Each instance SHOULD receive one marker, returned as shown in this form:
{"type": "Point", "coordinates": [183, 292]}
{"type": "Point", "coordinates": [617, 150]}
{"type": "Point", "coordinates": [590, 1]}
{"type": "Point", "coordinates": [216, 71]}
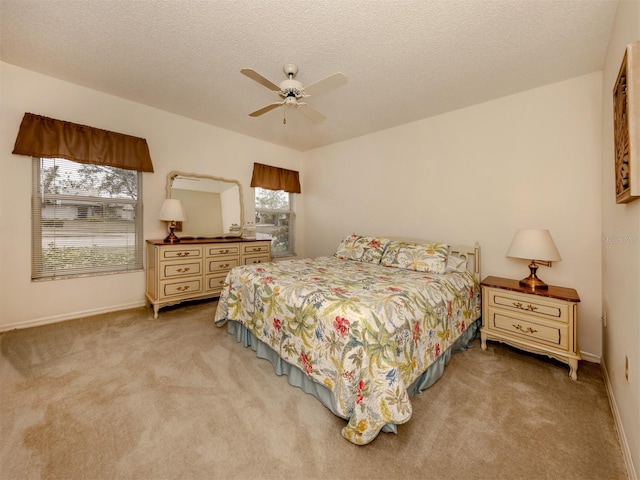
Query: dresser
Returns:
{"type": "Point", "coordinates": [541, 321]}
{"type": "Point", "coordinates": [195, 269]}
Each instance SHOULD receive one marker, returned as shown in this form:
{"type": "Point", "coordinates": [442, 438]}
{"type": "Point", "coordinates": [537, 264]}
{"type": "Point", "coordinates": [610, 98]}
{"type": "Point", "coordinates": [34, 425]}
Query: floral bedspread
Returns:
{"type": "Point", "coordinates": [364, 331]}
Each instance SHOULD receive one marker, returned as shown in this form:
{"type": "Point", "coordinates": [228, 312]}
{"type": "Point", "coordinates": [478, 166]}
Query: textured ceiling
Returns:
{"type": "Point", "coordinates": [404, 59]}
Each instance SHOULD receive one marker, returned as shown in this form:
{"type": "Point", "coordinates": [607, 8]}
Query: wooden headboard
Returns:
{"type": "Point", "coordinates": [471, 253]}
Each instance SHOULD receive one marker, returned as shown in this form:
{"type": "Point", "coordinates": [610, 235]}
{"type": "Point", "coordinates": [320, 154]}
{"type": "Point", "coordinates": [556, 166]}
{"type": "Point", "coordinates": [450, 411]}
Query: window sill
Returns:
{"type": "Point", "coordinates": [53, 278]}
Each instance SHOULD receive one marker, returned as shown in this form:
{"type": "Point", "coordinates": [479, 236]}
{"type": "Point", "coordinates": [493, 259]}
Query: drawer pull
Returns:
{"type": "Point", "coordinates": [257, 249]}
{"type": "Point", "coordinates": [224, 265]}
{"type": "Point", "coordinates": [183, 288]}
{"type": "Point", "coordinates": [257, 261]}
{"type": "Point", "coordinates": [223, 251]}
{"type": "Point", "coordinates": [529, 307]}
{"type": "Point", "coordinates": [182, 254]}
{"type": "Point", "coordinates": [527, 330]}
{"type": "Point", "coordinates": [183, 270]}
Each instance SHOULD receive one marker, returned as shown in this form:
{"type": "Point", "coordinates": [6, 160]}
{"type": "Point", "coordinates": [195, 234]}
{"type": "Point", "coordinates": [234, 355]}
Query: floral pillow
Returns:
{"type": "Point", "coordinates": [362, 249]}
{"type": "Point", "coordinates": [429, 257]}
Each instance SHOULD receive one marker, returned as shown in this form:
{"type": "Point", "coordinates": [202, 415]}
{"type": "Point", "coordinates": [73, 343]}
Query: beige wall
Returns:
{"type": "Point", "coordinates": [621, 257]}
{"type": "Point", "coordinates": [175, 143]}
{"type": "Point", "coordinates": [530, 160]}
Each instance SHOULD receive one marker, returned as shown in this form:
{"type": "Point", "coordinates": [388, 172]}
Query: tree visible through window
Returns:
{"type": "Point", "coordinates": [274, 220]}
{"type": "Point", "coordinates": [87, 219]}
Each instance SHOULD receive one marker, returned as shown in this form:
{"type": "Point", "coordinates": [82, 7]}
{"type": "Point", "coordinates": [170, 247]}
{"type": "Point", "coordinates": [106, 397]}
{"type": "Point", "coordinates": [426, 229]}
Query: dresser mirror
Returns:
{"type": "Point", "coordinates": [213, 206]}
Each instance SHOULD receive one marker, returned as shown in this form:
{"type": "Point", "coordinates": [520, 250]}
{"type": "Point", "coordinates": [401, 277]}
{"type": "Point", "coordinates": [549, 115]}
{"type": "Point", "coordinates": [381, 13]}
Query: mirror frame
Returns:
{"type": "Point", "coordinates": [176, 173]}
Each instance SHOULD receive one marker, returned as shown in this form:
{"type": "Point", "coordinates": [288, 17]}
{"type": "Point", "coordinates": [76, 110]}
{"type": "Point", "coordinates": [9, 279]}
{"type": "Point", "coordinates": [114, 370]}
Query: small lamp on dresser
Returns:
{"type": "Point", "coordinates": [172, 212]}
{"type": "Point", "coordinates": [538, 247]}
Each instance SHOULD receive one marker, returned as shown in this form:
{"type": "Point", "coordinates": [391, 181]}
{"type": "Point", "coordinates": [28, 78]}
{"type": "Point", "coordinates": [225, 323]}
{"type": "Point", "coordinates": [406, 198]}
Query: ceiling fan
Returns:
{"type": "Point", "coordinates": [292, 92]}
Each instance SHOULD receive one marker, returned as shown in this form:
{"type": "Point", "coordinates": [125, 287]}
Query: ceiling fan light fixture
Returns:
{"type": "Point", "coordinates": [291, 88]}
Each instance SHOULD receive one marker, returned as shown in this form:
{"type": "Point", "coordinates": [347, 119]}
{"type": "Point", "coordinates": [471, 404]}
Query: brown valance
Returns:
{"type": "Point", "coordinates": [44, 137]}
{"type": "Point", "coordinates": [275, 178]}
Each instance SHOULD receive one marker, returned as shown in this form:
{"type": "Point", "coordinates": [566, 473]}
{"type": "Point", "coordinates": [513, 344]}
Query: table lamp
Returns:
{"type": "Point", "coordinates": [537, 246]}
{"type": "Point", "coordinates": [172, 212]}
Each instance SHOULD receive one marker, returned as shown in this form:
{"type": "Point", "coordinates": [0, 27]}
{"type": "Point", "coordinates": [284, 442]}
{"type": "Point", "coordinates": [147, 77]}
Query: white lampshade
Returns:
{"type": "Point", "coordinates": [534, 245]}
{"type": "Point", "coordinates": [172, 211]}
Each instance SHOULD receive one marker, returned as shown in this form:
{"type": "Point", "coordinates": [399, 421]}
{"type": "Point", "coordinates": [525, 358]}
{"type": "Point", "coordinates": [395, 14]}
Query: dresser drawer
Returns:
{"type": "Point", "coordinates": [253, 259]}
{"type": "Point", "coordinates": [223, 250]}
{"type": "Point", "coordinates": [521, 326]}
{"type": "Point", "coordinates": [221, 265]}
{"type": "Point", "coordinates": [216, 282]}
{"type": "Point", "coordinates": [180, 269]}
{"type": "Point", "coordinates": [255, 248]}
{"type": "Point", "coordinates": [544, 308]}
{"type": "Point", "coordinates": [172, 253]}
{"type": "Point", "coordinates": [185, 287]}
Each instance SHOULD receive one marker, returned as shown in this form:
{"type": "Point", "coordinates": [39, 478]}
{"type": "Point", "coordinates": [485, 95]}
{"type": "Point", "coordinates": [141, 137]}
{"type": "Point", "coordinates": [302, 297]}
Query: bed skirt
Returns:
{"type": "Point", "coordinates": [298, 379]}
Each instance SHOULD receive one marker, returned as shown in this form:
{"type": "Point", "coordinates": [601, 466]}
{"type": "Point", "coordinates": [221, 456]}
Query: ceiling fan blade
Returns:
{"type": "Point", "coordinates": [265, 109]}
{"type": "Point", "coordinates": [311, 113]}
{"type": "Point", "coordinates": [253, 75]}
{"type": "Point", "coordinates": [326, 84]}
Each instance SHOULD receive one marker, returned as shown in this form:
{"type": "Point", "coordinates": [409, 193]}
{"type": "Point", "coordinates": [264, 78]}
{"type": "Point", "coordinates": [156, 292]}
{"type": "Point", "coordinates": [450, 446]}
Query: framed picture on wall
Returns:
{"type": "Point", "coordinates": [626, 126]}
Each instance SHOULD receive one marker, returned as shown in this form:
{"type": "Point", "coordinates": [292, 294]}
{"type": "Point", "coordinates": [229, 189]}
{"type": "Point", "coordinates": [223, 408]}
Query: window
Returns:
{"type": "Point", "coordinates": [86, 219]}
{"type": "Point", "coordinates": [275, 219]}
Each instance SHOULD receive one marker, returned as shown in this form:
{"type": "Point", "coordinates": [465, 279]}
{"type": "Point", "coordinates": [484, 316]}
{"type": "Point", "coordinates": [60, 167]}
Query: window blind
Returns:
{"type": "Point", "coordinates": [86, 219]}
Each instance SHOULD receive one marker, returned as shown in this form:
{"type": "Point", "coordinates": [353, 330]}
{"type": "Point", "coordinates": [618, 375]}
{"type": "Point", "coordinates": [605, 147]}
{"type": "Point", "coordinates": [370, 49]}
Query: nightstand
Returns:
{"type": "Point", "coordinates": [540, 321]}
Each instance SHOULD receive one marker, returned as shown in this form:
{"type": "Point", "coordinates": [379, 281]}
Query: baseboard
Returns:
{"type": "Point", "coordinates": [61, 318]}
{"type": "Point", "coordinates": [626, 452]}
{"type": "Point", "coordinates": [590, 357]}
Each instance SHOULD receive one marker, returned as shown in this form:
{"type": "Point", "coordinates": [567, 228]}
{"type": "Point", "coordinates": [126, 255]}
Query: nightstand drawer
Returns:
{"type": "Point", "coordinates": [222, 265]}
{"type": "Point", "coordinates": [182, 269]}
{"type": "Point", "coordinates": [223, 250]}
{"type": "Point", "coordinates": [546, 333]}
{"type": "Point", "coordinates": [531, 304]}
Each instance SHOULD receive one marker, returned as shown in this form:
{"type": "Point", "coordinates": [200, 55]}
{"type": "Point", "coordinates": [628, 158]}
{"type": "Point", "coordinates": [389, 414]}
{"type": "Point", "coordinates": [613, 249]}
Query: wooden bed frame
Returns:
{"type": "Point", "coordinates": [471, 253]}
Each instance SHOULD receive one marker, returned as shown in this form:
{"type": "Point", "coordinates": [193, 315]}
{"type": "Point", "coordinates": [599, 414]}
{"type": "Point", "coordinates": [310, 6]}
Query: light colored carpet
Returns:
{"type": "Point", "coordinates": [123, 395]}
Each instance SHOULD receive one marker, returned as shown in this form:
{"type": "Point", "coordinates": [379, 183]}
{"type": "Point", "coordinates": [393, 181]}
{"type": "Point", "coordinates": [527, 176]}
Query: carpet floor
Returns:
{"type": "Point", "coordinates": [122, 395]}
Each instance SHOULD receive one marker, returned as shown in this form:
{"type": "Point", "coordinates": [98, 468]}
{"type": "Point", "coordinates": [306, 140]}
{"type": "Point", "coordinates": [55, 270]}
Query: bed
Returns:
{"type": "Point", "coordinates": [363, 330]}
